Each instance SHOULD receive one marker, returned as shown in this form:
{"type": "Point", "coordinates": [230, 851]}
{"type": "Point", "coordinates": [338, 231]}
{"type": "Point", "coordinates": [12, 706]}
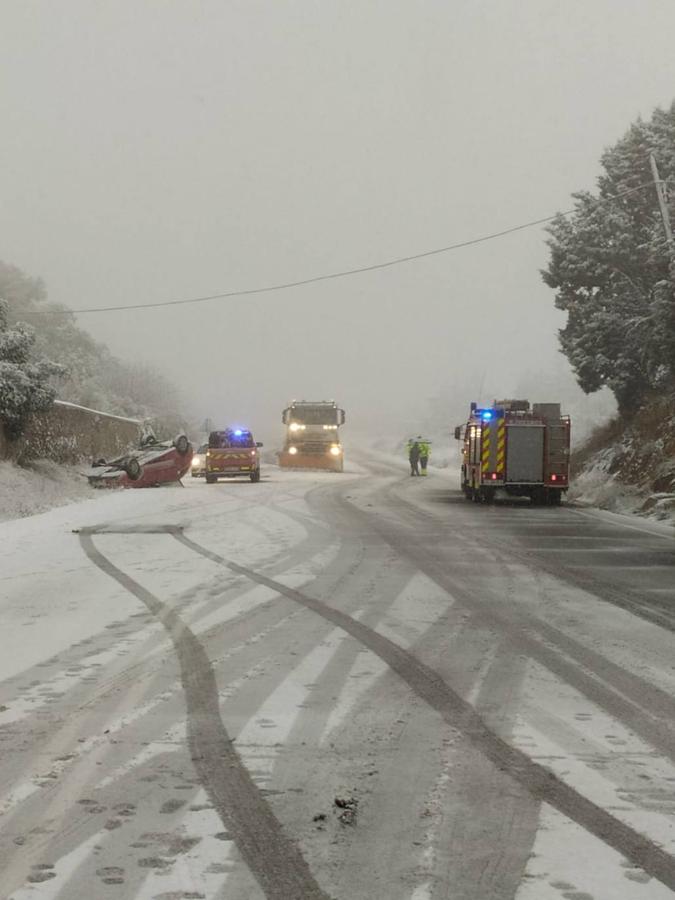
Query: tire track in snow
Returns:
{"type": "Point", "coordinates": [275, 860]}
{"type": "Point", "coordinates": [236, 615]}
{"type": "Point", "coordinates": [642, 706]}
{"type": "Point", "coordinates": [543, 784]}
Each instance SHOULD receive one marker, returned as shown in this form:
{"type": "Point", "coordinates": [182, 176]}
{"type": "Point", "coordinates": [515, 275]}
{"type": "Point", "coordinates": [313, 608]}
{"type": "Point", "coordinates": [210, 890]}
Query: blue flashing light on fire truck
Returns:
{"type": "Point", "coordinates": [519, 449]}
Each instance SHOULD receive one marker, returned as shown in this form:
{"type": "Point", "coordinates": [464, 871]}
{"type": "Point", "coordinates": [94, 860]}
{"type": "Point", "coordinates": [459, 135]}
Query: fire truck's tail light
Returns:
{"type": "Point", "coordinates": [554, 477]}
{"type": "Point", "coordinates": [494, 476]}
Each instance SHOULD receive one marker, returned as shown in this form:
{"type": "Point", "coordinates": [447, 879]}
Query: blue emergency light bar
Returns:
{"type": "Point", "coordinates": [486, 415]}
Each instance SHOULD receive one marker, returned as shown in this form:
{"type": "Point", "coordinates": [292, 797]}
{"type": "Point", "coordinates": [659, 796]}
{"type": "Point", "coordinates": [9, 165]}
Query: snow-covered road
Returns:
{"type": "Point", "coordinates": [190, 678]}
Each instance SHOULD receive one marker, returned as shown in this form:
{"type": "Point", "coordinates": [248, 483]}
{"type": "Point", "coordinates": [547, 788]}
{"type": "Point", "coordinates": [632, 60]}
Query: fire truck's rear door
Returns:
{"type": "Point", "coordinates": [525, 453]}
{"type": "Point", "coordinates": [558, 460]}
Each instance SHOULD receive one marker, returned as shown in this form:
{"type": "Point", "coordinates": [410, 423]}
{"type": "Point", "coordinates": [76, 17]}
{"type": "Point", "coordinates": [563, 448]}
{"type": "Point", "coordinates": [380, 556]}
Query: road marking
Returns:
{"type": "Point", "coordinates": [596, 870]}
{"type": "Point", "coordinates": [264, 734]}
{"type": "Point", "coordinates": [275, 860]}
{"type": "Point", "coordinates": [541, 782]}
{"type": "Point", "coordinates": [51, 888]}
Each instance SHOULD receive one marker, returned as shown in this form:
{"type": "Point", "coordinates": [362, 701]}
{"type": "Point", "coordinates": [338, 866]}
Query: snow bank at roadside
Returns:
{"type": "Point", "coordinates": [596, 486]}
{"type": "Point", "coordinates": [25, 491]}
{"type": "Point", "coordinates": [628, 464]}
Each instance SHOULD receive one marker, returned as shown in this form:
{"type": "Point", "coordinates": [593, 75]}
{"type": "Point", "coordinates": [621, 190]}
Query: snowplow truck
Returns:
{"type": "Point", "coordinates": [312, 439]}
{"type": "Point", "coordinates": [515, 448]}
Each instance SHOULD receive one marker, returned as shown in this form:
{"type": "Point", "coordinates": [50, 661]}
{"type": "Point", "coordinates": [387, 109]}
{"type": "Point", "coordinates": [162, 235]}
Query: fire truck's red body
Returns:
{"type": "Point", "coordinates": [520, 449]}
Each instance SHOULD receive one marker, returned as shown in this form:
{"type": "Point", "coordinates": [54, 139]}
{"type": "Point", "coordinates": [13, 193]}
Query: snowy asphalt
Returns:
{"type": "Point", "coordinates": [326, 686]}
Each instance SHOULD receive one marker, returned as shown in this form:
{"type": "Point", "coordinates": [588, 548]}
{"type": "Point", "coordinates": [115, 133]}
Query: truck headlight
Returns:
{"type": "Point", "coordinates": [292, 450]}
{"type": "Point", "coordinates": [335, 450]}
{"type": "Point", "coordinates": [195, 461]}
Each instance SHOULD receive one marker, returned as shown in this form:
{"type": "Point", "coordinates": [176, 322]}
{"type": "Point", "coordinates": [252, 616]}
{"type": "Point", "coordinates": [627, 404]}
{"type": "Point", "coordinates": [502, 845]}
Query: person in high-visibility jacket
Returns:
{"type": "Point", "coordinates": [425, 452]}
{"type": "Point", "coordinates": [414, 456]}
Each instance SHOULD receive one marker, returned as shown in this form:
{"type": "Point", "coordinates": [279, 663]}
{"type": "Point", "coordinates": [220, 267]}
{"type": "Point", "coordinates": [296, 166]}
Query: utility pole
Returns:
{"type": "Point", "coordinates": [663, 206]}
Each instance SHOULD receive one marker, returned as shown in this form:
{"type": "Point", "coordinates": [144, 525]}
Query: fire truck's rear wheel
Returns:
{"type": "Point", "coordinates": [210, 479]}
{"type": "Point", "coordinates": [255, 476]}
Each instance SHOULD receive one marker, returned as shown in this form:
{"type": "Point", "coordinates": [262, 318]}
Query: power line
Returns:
{"type": "Point", "coordinates": [345, 273]}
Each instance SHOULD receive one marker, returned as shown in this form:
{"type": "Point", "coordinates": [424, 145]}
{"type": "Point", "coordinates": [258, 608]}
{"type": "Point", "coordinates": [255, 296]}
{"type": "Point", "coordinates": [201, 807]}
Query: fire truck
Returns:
{"type": "Point", "coordinates": [312, 440]}
{"type": "Point", "coordinates": [521, 449]}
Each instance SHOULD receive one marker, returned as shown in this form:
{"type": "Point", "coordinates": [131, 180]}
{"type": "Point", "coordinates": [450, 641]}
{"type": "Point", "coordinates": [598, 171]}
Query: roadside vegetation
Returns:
{"type": "Point", "coordinates": [26, 378]}
{"type": "Point", "coordinates": [613, 272]}
{"type": "Point", "coordinates": [44, 354]}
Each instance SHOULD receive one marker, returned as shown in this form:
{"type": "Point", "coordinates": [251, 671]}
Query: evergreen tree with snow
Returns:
{"type": "Point", "coordinates": [611, 269]}
{"type": "Point", "coordinates": [25, 380]}
{"type": "Point", "coordinates": [92, 377]}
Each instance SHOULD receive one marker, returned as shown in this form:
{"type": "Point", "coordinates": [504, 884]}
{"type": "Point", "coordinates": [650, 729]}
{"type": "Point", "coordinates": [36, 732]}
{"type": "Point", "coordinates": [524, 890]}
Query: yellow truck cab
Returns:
{"type": "Point", "coordinates": [312, 438]}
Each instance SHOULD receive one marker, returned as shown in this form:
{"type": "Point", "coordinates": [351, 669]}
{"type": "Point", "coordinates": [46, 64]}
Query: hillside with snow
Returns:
{"type": "Point", "coordinates": [628, 465]}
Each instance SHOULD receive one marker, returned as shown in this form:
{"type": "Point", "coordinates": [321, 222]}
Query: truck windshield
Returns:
{"type": "Point", "coordinates": [221, 440]}
{"type": "Point", "coordinates": [314, 415]}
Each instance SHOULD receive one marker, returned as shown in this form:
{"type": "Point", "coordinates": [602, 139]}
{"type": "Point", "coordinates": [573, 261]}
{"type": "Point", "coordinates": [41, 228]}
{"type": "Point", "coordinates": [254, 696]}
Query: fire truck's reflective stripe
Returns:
{"type": "Point", "coordinates": [501, 445]}
{"type": "Point", "coordinates": [485, 453]}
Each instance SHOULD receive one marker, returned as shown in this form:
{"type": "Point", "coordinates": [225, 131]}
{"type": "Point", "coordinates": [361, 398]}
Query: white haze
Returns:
{"type": "Point", "coordinates": [160, 150]}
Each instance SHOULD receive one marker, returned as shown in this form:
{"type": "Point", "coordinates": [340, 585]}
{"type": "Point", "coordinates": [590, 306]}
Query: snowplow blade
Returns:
{"type": "Point", "coordinates": [326, 462]}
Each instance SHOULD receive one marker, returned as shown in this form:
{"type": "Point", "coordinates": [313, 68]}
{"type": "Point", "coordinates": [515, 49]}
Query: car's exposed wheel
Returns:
{"type": "Point", "coordinates": [182, 444]}
{"type": "Point", "coordinates": [98, 462]}
{"type": "Point", "coordinates": [133, 468]}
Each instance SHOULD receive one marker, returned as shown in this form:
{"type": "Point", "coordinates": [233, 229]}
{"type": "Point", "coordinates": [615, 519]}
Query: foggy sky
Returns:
{"type": "Point", "coordinates": [168, 149]}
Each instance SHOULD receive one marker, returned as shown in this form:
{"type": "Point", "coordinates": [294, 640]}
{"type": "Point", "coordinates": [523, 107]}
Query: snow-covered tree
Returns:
{"type": "Point", "coordinates": [610, 266]}
{"type": "Point", "coordinates": [25, 381]}
{"type": "Point", "coordinates": [92, 376]}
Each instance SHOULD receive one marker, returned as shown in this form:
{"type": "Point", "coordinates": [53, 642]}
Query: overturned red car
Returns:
{"type": "Point", "coordinates": [153, 463]}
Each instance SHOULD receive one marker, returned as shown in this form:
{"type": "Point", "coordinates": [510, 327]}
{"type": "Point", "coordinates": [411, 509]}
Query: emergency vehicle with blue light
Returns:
{"type": "Point", "coordinates": [521, 449]}
{"type": "Point", "coordinates": [232, 453]}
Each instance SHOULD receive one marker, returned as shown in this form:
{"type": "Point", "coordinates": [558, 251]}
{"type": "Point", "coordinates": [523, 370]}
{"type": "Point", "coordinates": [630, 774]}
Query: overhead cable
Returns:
{"type": "Point", "coordinates": [344, 273]}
